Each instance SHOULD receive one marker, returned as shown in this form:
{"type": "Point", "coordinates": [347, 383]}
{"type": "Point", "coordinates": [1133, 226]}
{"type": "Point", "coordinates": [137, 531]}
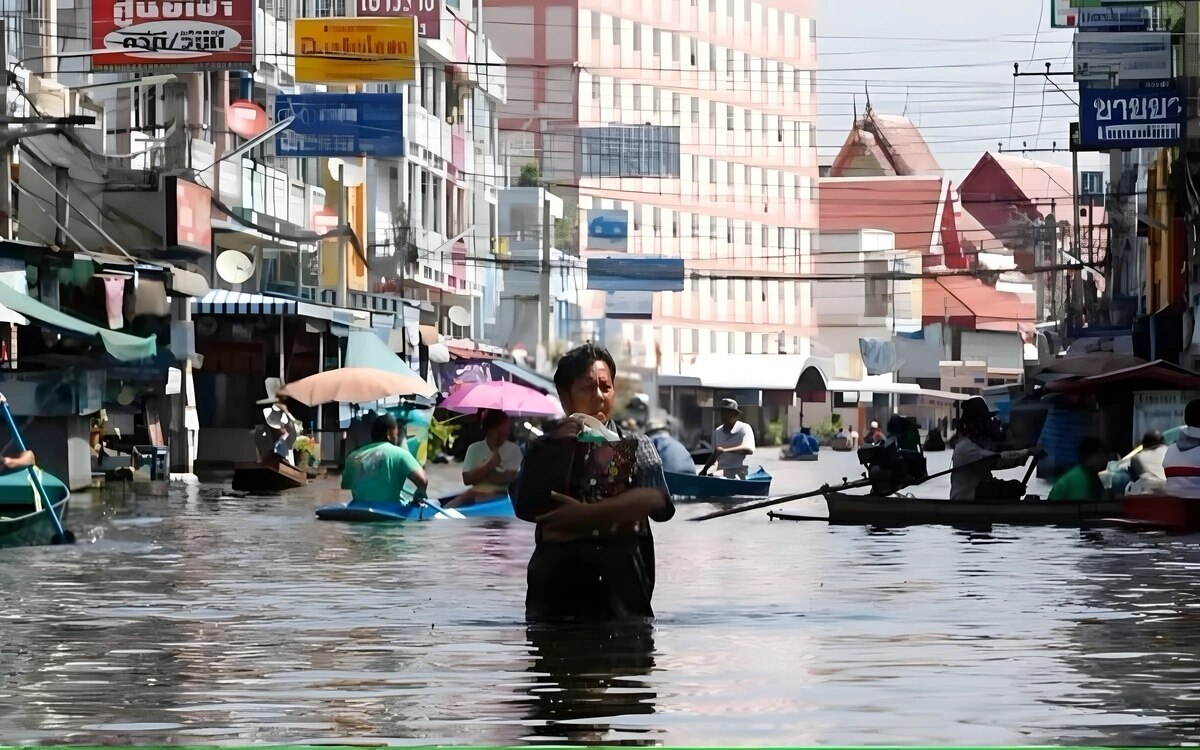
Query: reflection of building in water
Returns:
{"type": "Point", "coordinates": [594, 675]}
{"type": "Point", "coordinates": [1139, 652]}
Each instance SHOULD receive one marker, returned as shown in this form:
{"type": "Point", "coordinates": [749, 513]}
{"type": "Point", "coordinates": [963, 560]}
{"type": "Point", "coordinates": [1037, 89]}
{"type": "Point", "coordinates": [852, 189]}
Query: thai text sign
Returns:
{"type": "Point", "coordinates": [173, 35]}
{"type": "Point", "coordinates": [427, 12]}
{"type": "Point", "coordinates": [341, 125]}
{"type": "Point", "coordinates": [1150, 116]}
{"type": "Point", "coordinates": [356, 50]}
{"type": "Point", "coordinates": [1123, 55]}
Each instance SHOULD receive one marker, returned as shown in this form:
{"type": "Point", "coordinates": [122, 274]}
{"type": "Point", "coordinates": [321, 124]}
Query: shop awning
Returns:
{"type": "Point", "coordinates": [366, 349]}
{"type": "Point", "coordinates": [121, 346]}
{"type": "Point", "coordinates": [224, 302]}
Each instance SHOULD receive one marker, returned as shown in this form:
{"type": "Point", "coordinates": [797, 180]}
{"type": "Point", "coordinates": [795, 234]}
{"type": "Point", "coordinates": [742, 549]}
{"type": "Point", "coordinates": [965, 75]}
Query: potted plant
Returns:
{"type": "Point", "coordinates": [308, 451]}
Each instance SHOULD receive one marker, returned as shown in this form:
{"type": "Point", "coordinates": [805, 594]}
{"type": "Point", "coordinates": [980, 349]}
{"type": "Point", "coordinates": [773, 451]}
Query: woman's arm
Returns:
{"type": "Point", "coordinates": [25, 459]}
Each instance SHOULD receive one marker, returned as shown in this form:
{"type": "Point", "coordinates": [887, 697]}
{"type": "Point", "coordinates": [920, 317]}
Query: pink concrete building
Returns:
{"type": "Point", "coordinates": [725, 176]}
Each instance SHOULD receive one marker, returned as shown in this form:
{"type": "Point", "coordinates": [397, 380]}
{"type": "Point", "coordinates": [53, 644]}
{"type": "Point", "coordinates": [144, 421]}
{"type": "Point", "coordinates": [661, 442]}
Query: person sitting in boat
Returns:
{"type": "Point", "coordinates": [378, 471]}
{"type": "Point", "coordinates": [1082, 482]}
{"type": "Point", "coordinates": [591, 560]}
{"type": "Point", "coordinates": [733, 441]}
{"type": "Point", "coordinates": [281, 431]}
{"type": "Point", "coordinates": [1181, 462]}
{"type": "Point", "coordinates": [22, 460]}
{"type": "Point", "coordinates": [1146, 468]}
{"type": "Point", "coordinates": [804, 444]}
{"type": "Point", "coordinates": [934, 441]}
{"type": "Point", "coordinates": [875, 435]}
{"type": "Point", "coordinates": [675, 458]}
{"type": "Point", "coordinates": [491, 464]}
{"type": "Point", "coordinates": [975, 458]}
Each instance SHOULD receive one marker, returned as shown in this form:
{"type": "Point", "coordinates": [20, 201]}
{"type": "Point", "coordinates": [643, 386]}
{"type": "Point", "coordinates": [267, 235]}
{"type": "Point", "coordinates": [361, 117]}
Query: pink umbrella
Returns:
{"type": "Point", "coordinates": [502, 395]}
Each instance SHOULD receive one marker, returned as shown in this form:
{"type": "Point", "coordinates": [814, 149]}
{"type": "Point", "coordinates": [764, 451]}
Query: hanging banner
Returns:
{"type": "Point", "coordinates": [427, 12]}
{"type": "Point", "coordinates": [341, 125]}
{"type": "Point", "coordinates": [356, 50]}
{"type": "Point", "coordinates": [173, 35]}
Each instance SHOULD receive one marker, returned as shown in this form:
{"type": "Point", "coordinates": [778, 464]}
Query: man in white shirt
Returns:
{"type": "Point", "coordinates": [733, 441]}
{"type": "Point", "coordinates": [1181, 462]}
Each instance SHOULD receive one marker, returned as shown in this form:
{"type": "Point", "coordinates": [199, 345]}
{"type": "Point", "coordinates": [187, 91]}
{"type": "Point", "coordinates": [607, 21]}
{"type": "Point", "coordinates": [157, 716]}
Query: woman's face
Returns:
{"type": "Point", "coordinates": [501, 428]}
{"type": "Point", "coordinates": [593, 393]}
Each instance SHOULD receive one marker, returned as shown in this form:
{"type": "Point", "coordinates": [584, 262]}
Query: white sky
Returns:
{"type": "Point", "coordinates": [953, 62]}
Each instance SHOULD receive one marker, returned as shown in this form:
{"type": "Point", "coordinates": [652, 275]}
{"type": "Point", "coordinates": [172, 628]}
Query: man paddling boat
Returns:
{"type": "Point", "coordinates": [975, 458]}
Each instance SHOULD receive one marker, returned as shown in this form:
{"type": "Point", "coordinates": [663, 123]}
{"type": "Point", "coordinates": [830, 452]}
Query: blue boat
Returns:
{"type": "Point", "coordinates": [394, 512]}
{"type": "Point", "coordinates": [22, 523]}
{"type": "Point", "coordinates": [757, 484]}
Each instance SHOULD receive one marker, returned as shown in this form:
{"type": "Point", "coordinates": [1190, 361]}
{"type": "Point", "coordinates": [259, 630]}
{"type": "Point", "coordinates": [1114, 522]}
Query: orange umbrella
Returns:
{"type": "Point", "coordinates": [355, 385]}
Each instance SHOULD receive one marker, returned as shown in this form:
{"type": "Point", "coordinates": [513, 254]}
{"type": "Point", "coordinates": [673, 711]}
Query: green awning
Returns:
{"type": "Point", "coordinates": [121, 346]}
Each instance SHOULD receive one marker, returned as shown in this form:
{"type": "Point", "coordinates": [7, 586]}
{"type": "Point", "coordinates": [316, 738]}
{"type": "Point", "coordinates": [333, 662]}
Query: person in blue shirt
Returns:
{"type": "Point", "coordinates": [675, 458]}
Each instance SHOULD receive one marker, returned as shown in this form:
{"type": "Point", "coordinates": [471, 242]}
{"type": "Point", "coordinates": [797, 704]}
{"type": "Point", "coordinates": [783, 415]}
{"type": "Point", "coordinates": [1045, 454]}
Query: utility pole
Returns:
{"type": "Point", "coordinates": [6, 188]}
{"type": "Point", "coordinates": [544, 301]}
{"type": "Point", "coordinates": [342, 284]}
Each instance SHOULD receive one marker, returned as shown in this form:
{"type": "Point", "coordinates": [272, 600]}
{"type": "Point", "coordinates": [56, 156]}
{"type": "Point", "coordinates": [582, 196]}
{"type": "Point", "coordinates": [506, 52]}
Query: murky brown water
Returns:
{"type": "Point", "coordinates": [183, 618]}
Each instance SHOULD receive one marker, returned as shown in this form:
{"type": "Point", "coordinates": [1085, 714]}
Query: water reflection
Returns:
{"type": "Point", "coordinates": [589, 679]}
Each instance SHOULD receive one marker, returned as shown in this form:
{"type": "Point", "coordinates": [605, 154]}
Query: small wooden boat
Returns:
{"type": "Point", "coordinates": [907, 511]}
{"type": "Point", "coordinates": [393, 512]}
{"type": "Point", "coordinates": [787, 455]}
{"type": "Point", "coordinates": [24, 522]}
{"type": "Point", "coordinates": [269, 476]}
{"type": "Point", "coordinates": [757, 484]}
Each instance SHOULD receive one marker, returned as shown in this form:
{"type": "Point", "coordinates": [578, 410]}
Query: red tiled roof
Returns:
{"type": "Point", "coordinates": [892, 143]}
{"type": "Point", "coordinates": [909, 207]}
{"type": "Point", "coordinates": [967, 302]}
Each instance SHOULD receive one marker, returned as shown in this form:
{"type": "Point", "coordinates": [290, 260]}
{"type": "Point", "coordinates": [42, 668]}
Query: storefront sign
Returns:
{"type": "Point", "coordinates": [189, 215]}
{"type": "Point", "coordinates": [1122, 56]}
{"type": "Point", "coordinates": [341, 125]}
{"type": "Point", "coordinates": [173, 35]}
{"type": "Point", "coordinates": [356, 50]}
{"type": "Point", "coordinates": [1151, 116]}
{"type": "Point", "coordinates": [427, 12]}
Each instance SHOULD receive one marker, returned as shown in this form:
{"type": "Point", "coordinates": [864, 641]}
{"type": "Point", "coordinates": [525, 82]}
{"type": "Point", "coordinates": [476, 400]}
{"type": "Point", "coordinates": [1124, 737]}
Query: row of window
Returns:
{"type": "Point", "coordinates": [763, 20]}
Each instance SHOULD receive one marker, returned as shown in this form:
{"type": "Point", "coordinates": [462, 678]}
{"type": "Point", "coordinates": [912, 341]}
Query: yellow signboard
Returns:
{"type": "Point", "coordinates": [356, 50]}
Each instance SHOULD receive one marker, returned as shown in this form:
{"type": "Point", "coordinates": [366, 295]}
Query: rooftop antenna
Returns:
{"type": "Point", "coordinates": [905, 112]}
{"type": "Point", "coordinates": [867, 90]}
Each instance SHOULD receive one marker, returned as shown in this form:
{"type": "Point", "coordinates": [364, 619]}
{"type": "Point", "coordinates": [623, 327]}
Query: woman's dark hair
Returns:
{"type": "Point", "coordinates": [381, 427]}
{"type": "Point", "coordinates": [1152, 439]}
{"type": "Point", "coordinates": [576, 363]}
{"type": "Point", "coordinates": [489, 418]}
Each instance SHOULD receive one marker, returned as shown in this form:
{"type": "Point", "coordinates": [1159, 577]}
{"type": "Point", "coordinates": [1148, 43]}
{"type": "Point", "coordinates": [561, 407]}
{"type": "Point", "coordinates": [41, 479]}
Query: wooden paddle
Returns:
{"type": "Point", "coordinates": [824, 489]}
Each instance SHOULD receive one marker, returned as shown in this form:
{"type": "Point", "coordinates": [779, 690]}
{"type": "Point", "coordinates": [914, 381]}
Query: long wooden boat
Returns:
{"type": "Point", "coordinates": [1176, 514]}
{"type": "Point", "coordinates": [906, 511]}
{"type": "Point", "coordinates": [24, 522]}
{"type": "Point", "coordinates": [393, 512]}
{"type": "Point", "coordinates": [757, 484]}
{"type": "Point", "coordinates": [32, 527]}
{"type": "Point", "coordinates": [271, 476]}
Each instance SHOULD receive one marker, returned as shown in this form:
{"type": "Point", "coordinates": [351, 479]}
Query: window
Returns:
{"type": "Point", "coordinates": [596, 89]}
{"type": "Point", "coordinates": [878, 296]}
{"type": "Point", "coordinates": [676, 104]}
{"type": "Point", "coordinates": [616, 94]}
{"type": "Point", "coordinates": [749, 8]}
{"type": "Point", "coordinates": [729, 64]}
{"type": "Point", "coordinates": [779, 238]}
{"type": "Point", "coordinates": [695, 110]}
{"type": "Point", "coordinates": [729, 118]}
{"type": "Point", "coordinates": [637, 37]}
{"type": "Point", "coordinates": [712, 58]}
{"type": "Point", "coordinates": [779, 127]}
{"type": "Point", "coordinates": [695, 51]}
{"type": "Point", "coordinates": [749, 234]}
{"type": "Point", "coordinates": [656, 222]}
{"type": "Point", "coordinates": [712, 172]}
{"type": "Point", "coordinates": [812, 29]}
{"type": "Point", "coordinates": [674, 223]}
{"type": "Point", "coordinates": [712, 115]}
{"type": "Point", "coordinates": [695, 225]}
{"type": "Point", "coordinates": [657, 33]}
{"type": "Point", "coordinates": [630, 151]}
{"type": "Point", "coordinates": [728, 231]}
{"type": "Point", "coordinates": [617, 24]}
{"type": "Point", "coordinates": [729, 170]}
{"type": "Point", "coordinates": [766, 236]}
{"type": "Point", "coordinates": [595, 26]}
{"type": "Point", "coordinates": [749, 124]}
{"type": "Point", "coordinates": [779, 73]}
{"type": "Point", "coordinates": [637, 97]}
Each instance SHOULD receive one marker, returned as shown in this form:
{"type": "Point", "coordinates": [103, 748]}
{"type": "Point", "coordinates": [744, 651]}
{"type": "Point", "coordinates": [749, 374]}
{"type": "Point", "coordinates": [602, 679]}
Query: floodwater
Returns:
{"type": "Point", "coordinates": [184, 618]}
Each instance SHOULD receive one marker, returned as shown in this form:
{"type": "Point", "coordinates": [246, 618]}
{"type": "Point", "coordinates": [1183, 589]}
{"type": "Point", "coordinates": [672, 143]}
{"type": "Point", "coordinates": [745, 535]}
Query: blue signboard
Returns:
{"type": "Point", "coordinates": [341, 125]}
{"type": "Point", "coordinates": [1114, 18]}
{"type": "Point", "coordinates": [608, 229]}
{"type": "Point", "coordinates": [635, 274]}
{"type": "Point", "coordinates": [1150, 116]}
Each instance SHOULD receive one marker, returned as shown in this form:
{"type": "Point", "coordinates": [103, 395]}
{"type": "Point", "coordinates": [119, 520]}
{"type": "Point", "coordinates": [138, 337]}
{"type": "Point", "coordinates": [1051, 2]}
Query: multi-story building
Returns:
{"type": "Point", "coordinates": [697, 118]}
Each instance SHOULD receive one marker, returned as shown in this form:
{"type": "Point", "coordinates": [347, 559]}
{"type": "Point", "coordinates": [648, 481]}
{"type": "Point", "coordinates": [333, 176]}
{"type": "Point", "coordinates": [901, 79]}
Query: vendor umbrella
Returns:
{"type": "Point", "coordinates": [355, 385]}
{"type": "Point", "coordinates": [502, 395]}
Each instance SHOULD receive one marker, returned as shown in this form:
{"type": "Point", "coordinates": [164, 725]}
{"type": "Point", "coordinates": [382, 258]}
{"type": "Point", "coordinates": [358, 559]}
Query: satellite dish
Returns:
{"type": "Point", "coordinates": [234, 266]}
{"type": "Point", "coordinates": [459, 316]}
{"type": "Point", "coordinates": [439, 354]}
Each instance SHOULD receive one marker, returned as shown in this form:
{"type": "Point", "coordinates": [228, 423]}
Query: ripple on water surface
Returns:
{"type": "Point", "coordinates": [187, 618]}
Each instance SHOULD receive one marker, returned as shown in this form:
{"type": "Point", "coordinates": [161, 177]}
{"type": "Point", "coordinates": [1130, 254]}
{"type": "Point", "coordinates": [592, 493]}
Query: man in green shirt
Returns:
{"type": "Point", "coordinates": [1082, 483]}
{"type": "Point", "coordinates": [378, 471]}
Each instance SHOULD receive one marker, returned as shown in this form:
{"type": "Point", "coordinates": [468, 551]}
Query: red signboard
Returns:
{"type": "Point", "coordinates": [173, 35]}
{"type": "Point", "coordinates": [427, 12]}
{"type": "Point", "coordinates": [189, 216]}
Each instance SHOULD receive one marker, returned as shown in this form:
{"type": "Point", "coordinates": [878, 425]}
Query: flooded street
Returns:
{"type": "Point", "coordinates": [190, 619]}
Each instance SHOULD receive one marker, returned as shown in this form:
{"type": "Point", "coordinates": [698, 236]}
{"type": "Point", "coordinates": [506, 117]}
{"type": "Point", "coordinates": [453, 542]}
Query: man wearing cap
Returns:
{"type": "Point", "coordinates": [733, 440]}
{"type": "Point", "coordinates": [973, 461]}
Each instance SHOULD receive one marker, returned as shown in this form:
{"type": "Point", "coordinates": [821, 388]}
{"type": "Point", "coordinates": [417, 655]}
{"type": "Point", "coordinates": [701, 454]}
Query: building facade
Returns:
{"type": "Point", "coordinates": [698, 119]}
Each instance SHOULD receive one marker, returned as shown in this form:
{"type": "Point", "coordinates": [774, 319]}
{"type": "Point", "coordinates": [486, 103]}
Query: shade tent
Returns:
{"type": "Point", "coordinates": [122, 346]}
{"type": "Point", "coordinates": [366, 349]}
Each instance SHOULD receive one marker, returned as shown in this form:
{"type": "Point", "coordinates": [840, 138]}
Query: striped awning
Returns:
{"type": "Point", "coordinates": [224, 302]}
